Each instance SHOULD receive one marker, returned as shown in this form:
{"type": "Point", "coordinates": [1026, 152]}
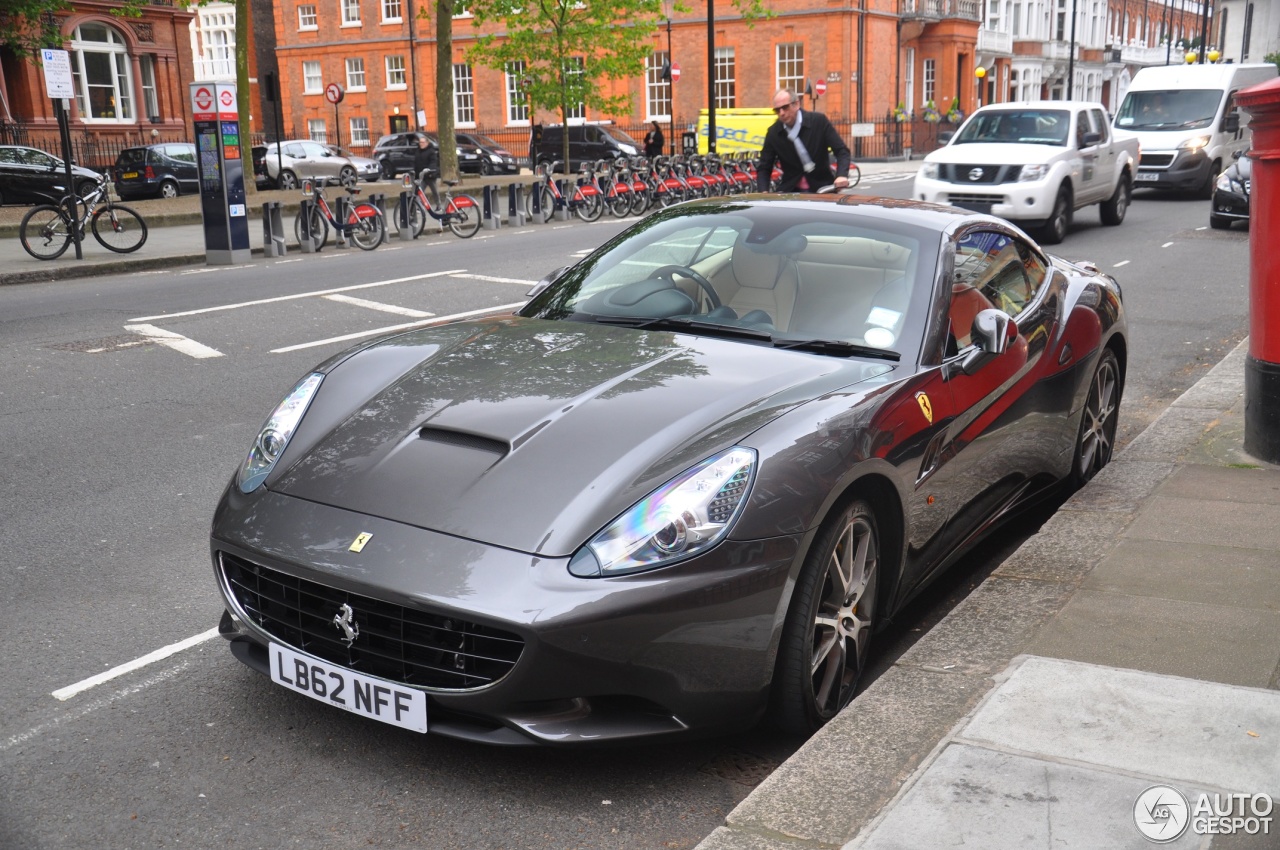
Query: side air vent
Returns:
{"type": "Point", "coordinates": [465, 441]}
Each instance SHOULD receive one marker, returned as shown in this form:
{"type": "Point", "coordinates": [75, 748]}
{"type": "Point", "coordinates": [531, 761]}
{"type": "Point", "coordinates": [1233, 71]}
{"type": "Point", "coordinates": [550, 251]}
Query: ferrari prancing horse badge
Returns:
{"type": "Point", "coordinates": [926, 406]}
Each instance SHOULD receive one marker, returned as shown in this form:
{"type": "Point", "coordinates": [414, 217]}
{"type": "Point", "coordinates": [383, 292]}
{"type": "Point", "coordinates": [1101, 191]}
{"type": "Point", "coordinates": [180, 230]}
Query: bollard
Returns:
{"type": "Point", "coordinates": [535, 201]}
{"type": "Point", "coordinates": [402, 216]}
{"type": "Point", "coordinates": [305, 238]}
{"type": "Point", "coordinates": [1262, 366]}
{"type": "Point", "coordinates": [273, 230]}
{"type": "Point", "coordinates": [379, 201]}
{"type": "Point", "coordinates": [515, 204]}
{"type": "Point", "coordinates": [491, 217]}
{"type": "Point", "coordinates": [341, 209]}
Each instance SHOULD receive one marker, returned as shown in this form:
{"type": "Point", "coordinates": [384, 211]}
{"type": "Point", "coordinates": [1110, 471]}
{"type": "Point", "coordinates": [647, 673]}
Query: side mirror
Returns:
{"type": "Point", "coordinates": [1236, 154]}
{"type": "Point", "coordinates": [945, 136]}
{"type": "Point", "coordinates": [991, 333]}
{"type": "Point", "coordinates": [546, 281]}
{"type": "Point", "coordinates": [1091, 139]}
{"type": "Point", "coordinates": [1231, 124]}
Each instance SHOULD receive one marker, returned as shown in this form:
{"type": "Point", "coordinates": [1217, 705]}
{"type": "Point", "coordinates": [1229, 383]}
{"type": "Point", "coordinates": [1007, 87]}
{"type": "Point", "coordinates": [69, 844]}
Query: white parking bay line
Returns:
{"type": "Point", "coordinates": [377, 305]}
{"type": "Point", "coordinates": [177, 342]}
{"type": "Point", "coordinates": [1122, 263]}
{"type": "Point", "coordinates": [393, 328]}
{"type": "Point", "coordinates": [299, 295]}
{"type": "Point", "coordinates": [150, 658]}
{"type": "Point", "coordinates": [492, 279]}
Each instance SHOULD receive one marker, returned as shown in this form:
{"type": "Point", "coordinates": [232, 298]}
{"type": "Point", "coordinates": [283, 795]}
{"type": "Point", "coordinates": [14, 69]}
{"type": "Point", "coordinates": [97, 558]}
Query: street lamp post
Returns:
{"type": "Point", "coordinates": [671, 88]}
{"type": "Point", "coordinates": [1071, 56]}
{"type": "Point", "coordinates": [981, 73]}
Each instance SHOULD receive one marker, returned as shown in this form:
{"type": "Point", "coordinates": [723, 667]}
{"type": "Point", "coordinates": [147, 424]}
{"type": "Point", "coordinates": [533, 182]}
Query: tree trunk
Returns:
{"type": "Point", "coordinates": [243, 100]}
{"type": "Point", "coordinates": [444, 89]}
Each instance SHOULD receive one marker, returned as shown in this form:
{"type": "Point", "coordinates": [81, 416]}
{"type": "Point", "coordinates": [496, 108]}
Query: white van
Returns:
{"type": "Point", "coordinates": [1186, 119]}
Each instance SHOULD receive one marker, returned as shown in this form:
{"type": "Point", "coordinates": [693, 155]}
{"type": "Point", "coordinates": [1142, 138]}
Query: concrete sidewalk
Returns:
{"type": "Point", "coordinates": [1133, 642]}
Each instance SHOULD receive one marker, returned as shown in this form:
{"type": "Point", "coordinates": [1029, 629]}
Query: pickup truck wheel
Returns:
{"type": "Point", "coordinates": [1114, 208]}
{"type": "Point", "coordinates": [1056, 226]}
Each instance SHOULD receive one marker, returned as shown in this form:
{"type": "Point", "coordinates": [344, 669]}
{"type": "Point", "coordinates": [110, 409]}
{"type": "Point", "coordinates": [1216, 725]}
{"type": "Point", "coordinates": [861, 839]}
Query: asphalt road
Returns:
{"type": "Point", "coordinates": [117, 445]}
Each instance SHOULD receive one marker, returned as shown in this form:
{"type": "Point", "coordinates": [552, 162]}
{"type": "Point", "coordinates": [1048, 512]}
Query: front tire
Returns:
{"type": "Point", "coordinates": [1115, 207]}
{"type": "Point", "coordinates": [119, 229]}
{"type": "Point", "coordinates": [319, 228]}
{"type": "Point", "coordinates": [1056, 227]}
{"type": "Point", "coordinates": [827, 632]}
{"type": "Point", "coordinates": [1097, 436]}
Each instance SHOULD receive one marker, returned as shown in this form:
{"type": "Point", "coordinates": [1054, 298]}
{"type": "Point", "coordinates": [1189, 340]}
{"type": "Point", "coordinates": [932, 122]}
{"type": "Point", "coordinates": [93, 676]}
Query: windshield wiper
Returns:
{"type": "Point", "coordinates": [675, 323]}
{"type": "Point", "coordinates": [837, 346]}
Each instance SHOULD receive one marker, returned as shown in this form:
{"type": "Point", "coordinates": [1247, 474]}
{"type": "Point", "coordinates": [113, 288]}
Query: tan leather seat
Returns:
{"type": "Point", "coordinates": [763, 280]}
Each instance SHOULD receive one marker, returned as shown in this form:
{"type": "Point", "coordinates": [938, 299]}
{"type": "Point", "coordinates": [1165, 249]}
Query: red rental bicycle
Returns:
{"type": "Point", "coordinates": [364, 225]}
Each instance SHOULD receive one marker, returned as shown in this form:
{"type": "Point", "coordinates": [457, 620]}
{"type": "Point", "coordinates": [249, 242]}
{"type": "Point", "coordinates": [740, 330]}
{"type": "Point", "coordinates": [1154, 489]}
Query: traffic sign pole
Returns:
{"type": "Point", "coordinates": [60, 87]}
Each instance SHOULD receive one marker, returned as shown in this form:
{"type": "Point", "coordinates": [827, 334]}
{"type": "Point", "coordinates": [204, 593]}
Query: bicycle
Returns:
{"type": "Point", "coordinates": [459, 212]}
{"type": "Point", "coordinates": [46, 230]}
{"type": "Point", "coordinates": [364, 225]}
{"type": "Point", "coordinates": [585, 201]}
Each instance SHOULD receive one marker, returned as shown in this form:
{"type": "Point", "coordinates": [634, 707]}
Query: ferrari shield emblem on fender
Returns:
{"type": "Point", "coordinates": [364, 537]}
{"type": "Point", "coordinates": [926, 407]}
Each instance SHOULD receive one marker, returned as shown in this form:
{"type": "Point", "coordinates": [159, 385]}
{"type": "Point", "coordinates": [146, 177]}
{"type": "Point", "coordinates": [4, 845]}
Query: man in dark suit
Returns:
{"type": "Point", "coordinates": [799, 142]}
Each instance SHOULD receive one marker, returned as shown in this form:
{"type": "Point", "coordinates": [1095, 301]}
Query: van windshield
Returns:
{"type": "Point", "coordinates": [1186, 109]}
{"type": "Point", "coordinates": [619, 135]}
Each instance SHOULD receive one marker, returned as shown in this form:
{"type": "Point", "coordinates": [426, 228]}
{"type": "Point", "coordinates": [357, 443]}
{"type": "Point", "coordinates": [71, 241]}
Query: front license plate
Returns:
{"type": "Point", "coordinates": [129, 174]}
{"type": "Point", "coordinates": [377, 699]}
{"type": "Point", "coordinates": [1144, 176]}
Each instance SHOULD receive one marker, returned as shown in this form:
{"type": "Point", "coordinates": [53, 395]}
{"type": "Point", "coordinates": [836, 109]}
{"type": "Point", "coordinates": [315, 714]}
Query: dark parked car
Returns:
{"type": "Point", "coordinates": [1231, 194]}
{"type": "Point", "coordinates": [678, 490]}
{"type": "Point", "coordinates": [157, 171]}
{"type": "Point", "coordinates": [260, 175]}
{"type": "Point", "coordinates": [587, 143]}
{"type": "Point", "coordinates": [395, 153]}
{"type": "Point", "coordinates": [31, 176]}
{"type": "Point", "coordinates": [494, 158]}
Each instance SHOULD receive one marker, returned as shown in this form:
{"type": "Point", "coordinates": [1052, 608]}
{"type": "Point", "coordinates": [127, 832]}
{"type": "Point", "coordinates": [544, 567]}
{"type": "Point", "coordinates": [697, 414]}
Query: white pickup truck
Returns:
{"type": "Point", "coordinates": [1034, 162]}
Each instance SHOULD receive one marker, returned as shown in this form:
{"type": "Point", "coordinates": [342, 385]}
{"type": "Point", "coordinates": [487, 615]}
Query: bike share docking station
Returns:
{"type": "Point", "coordinates": [222, 195]}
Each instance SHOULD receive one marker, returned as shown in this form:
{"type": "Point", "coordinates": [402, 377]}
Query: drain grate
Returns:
{"type": "Point", "coordinates": [740, 766]}
{"type": "Point", "coordinates": [101, 346]}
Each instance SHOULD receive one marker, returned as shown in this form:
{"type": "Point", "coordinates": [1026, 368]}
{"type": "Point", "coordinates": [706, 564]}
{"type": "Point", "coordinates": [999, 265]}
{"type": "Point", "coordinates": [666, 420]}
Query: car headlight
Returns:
{"type": "Point", "coordinates": [629, 150]}
{"type": "Point", "coordinates": [275, 434]}
{"type": "Point", "coordinates": [929, 171]}
{"type": "Point", "coordinates": [683, 517]}
{"type": "Point", "coordinates": [493, 157]}
{"type": "Point", "coordinates": [1194, 144]}
{"type": "Point", "coordinates": [1224, 183]}
{"type": "Point", "coordinates": [1033, 172]}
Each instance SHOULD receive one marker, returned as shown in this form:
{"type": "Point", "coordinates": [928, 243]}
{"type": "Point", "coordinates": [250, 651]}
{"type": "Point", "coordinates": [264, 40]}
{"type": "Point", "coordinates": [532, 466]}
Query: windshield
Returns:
{"type": "Point", "coordinates": [619, 135]}
{"type": "Point", "coordinates": [485, 141]}
{"type": "Point", "coordinates": [1186, 109]}
{"type": "Point", "coordinates": [759, 274]}
{"type": "Point", "coordinates": [1017, 126]}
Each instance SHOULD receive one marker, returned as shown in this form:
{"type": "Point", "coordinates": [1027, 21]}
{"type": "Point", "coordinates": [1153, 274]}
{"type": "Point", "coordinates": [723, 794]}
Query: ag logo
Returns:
{"type": "Point", "coordinates": [1161, 814]}
{"type": "Point", "coordinates": [926, 406]}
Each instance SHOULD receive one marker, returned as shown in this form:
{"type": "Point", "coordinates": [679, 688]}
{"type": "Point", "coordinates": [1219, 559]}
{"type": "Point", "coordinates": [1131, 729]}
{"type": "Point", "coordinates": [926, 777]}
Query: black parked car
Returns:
{"type": "Point", "coordinates": [1231, 194]}
{"type": "Point", "coordinates": [395, 152]}
{"type": "Point", "coordinates": [157, 171]}
{"type": "Point", "coordinates": [31, 176]}
{"type": "Point", "coordinates": [260, 175]}
{"type": "Point", "coordinates": [494, 158]}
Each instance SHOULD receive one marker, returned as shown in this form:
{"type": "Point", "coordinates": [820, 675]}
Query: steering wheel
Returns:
{"type": "Point", "coordinates": [670, 272]}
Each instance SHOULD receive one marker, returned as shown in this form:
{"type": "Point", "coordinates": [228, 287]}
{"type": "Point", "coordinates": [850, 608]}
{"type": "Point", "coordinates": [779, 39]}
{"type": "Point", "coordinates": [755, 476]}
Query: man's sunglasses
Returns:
{"type": "Point", "coordinates": [778, 109]}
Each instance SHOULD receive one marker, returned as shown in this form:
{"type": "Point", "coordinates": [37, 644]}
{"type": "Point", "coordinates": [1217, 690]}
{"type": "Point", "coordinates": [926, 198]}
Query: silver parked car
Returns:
{"type": "Point", "coordinates": [299, 159]}
{"type": "Point", "coordinates": [367, 169]}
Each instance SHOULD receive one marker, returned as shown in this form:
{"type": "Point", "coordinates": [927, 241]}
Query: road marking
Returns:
{"type": "Point", "coordinates": [150, 658]}
{"type": "Point", "coordinates": [1122, 263]}
{"type": "Point", "coordinates": [375, 305]}
{"type": "Point", "coordinates": [393, 328]}
{"type": "Point", "coordinates": [492, 279]}
{"type": "Point", "coordinates": [296, 297]}
{"type": "Point", "coordinates": [1166, 245]}
{"type": "Point", "coordinates": [177, 342]}
{"type": "Point", "coordinates": [216, 269]}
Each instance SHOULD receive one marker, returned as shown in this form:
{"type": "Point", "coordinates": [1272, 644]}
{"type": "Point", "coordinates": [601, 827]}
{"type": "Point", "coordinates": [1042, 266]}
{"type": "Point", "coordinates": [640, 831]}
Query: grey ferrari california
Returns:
{"type": "Point", "coordinates": [681, 488]}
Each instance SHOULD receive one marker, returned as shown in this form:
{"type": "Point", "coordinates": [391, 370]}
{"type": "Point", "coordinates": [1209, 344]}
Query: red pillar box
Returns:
{"type": "Point", "coordinates": [1262, 367]}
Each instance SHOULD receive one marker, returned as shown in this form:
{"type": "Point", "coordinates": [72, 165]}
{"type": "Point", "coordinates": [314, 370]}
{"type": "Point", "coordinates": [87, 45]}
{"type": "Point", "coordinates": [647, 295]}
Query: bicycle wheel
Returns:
{"type": "Point", "coordinates": [366, 227]}
{"type": "Point", "coordinates": [319, 228]}
{"type": "Point", "coordinates": [639, 201]}
{"type": "Point", "coordinates": [855, 174]}
{"type": "Point", "coordinates": [417, 218]}
{"type": "Point", "coordinates": [589, 207]}
{"type": "Point", "coordinates": [546, 202]}
{"type": "Point", "coordinates": [119, 229]}
{"type": "Point", "coordinates": [464, 216]}
{"type": "Point", "coordinates": [44, 232]}
{"type": "Point", "coordinates": [619, 205]}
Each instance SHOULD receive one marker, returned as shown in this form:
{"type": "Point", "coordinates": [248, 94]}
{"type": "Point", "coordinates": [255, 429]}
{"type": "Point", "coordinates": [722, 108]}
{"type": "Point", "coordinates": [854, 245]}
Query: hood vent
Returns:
{"type": "Point", "coordinates": [464, 440]}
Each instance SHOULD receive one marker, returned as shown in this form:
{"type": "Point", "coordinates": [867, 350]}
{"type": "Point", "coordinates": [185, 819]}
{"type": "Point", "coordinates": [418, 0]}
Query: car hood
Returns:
{"type": "Point", "coordinates": [995, 153]}
{"type": "Point", "coordinates": [532, 435]}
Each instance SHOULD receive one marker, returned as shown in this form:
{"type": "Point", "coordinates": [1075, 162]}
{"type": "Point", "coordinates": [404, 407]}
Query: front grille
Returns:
{"type": "Point", "coordinates": [961, 199]}
{"type": "Point", "coordinates": [1156, 160]}
{"type": "Point", "coordinates": [984, 174]}
{"type": "Point", "coordinates": [396, 643]}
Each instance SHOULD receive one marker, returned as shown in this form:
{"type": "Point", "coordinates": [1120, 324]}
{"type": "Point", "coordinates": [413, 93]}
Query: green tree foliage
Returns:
{"type": "Point", "coordinates": [1273, 58]}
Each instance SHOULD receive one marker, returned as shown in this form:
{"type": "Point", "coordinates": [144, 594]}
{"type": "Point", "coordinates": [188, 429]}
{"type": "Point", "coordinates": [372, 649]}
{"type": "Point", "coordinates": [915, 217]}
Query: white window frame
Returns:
{"type": "Point", "coordinates": [726, 83]}
{"type": "Point", "coordinates": [358, 132]}
{"type": "Point", "coordinates": [355, 74]}
{"type": "Point", "coordinates": [312, 77]}
{"type": "Point", "coordinates": [929, 83]}
{"type": "Point", "coordinates": [577, 111]}
{"type": "Point", "coordinates": [350, 13]}
{"type": "Point", "coordinates": [392, 11]}
{"type": "Point", "coordinates": [394, 64]}
{"type": "Point", "coordinates": [121, 97]}
{"type": "Point", "coordinates": [307, 20]}
{"type": "Point", "coordinates": [909, 82]}
{"type": "Point", "coordinates": [316, 131]}
{"type": "Point", "coordinates": [150, 99]}
{"type": "Point", "coordinates": [657, 91]}
{"type": "Point", "coordinates": [789, 66]}
{"type": "Point", "coordinates": [464, 96]}
{"type": "Point", "coordinates": [517, 107]}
